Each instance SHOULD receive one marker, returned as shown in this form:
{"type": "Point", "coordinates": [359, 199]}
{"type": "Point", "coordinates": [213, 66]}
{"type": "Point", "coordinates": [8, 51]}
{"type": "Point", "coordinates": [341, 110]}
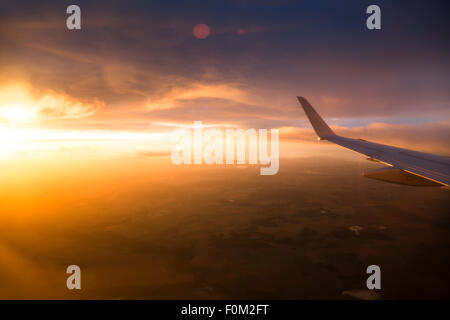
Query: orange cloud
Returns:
{"type": "Point", "coordinates": [429, 137]}
{"type": "Point", "coordinates": [196, 91]}
{"type": "Point", "coordinates": [21, 104]}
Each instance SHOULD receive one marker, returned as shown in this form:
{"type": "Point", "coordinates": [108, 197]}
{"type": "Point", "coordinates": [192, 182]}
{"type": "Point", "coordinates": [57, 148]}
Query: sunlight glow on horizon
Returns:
{"type": "Point", "coordinates": [15, 140]}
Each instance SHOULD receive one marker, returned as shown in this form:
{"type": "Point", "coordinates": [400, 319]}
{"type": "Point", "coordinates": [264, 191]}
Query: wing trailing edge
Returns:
{"type": "Point", "coordinates": [399, 176]}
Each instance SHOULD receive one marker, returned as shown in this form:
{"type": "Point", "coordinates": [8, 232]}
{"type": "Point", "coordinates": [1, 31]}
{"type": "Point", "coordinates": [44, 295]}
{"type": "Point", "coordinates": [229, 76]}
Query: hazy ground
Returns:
{"type": "Point", "coordinates": [142, 229]}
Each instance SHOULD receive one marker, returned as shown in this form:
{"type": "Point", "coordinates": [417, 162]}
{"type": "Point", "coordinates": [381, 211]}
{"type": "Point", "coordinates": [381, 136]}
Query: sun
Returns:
{"type": "Point", "coordinates": [17, 105]}
{"type": "Point", "coordinates": [18, 113]}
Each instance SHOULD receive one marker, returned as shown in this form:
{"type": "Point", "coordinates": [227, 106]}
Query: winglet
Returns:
{"type": "Point", "coordinates": [320, 127]}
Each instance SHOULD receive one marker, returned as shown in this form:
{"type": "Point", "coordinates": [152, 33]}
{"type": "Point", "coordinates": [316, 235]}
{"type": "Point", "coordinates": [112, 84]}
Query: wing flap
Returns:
{"type": "Point", "coordinates": [399, 176]}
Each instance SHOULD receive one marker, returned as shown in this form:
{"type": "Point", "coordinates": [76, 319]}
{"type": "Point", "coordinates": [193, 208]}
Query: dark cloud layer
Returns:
{"type": "Point", "coordinates": [132, 55]}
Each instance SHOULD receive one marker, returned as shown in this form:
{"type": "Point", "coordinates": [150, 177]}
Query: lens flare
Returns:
{"type": "Point", "coordinates": [201, 31]}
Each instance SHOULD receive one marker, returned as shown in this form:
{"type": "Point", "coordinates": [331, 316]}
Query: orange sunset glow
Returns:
{"type": "Point", "coordinates": [90, 118]}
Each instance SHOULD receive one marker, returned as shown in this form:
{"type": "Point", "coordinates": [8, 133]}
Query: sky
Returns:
{"type": "Point", "coordinates": [142, 227]}
{"type": "Point", "coordinates": [140, 66]}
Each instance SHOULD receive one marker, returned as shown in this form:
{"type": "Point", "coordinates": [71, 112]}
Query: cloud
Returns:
{"type": "Point", "coordinates": [143, 63]}
{"type": "Point", "coordinates": [151, 154]}
{"type": "Point", "coordinates": [20, 103]}
{"type": "Point", "coordinates": [193, 92]}
{"type": "Point", "coordinates": [427, 137]}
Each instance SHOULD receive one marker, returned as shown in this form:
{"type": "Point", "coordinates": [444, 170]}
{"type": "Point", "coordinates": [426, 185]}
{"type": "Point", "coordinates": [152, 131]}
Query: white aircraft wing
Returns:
{"type": "Point", "coordinates": [405, 166]}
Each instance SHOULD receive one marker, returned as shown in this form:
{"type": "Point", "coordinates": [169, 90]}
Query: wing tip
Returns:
{"type": "Point", "coordinates": [319, 125]}
{"type": "Point", "coordinates": [301, 99]}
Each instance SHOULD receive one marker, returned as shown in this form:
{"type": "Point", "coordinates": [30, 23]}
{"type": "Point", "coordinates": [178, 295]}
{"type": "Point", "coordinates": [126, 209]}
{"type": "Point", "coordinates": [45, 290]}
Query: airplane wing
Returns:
{"type": "Point", "coordinates": [406, 167]}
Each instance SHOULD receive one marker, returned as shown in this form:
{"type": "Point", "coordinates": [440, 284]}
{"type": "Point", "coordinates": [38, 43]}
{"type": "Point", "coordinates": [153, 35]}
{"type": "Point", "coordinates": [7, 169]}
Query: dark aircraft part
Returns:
{"type": "Point", "coordinates": [398, 176]}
